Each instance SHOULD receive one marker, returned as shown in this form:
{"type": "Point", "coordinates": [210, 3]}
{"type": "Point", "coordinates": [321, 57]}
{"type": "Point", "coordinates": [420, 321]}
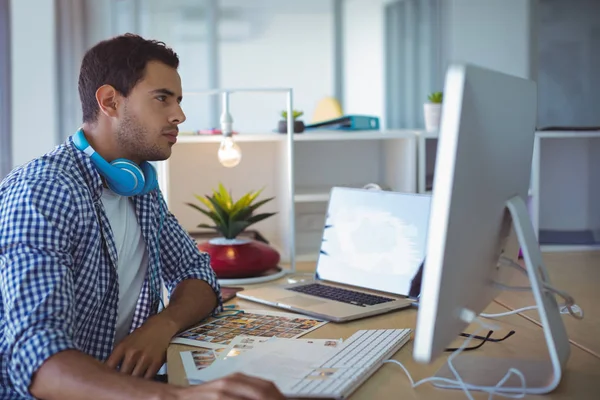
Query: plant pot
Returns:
{"type": "Point", "coordinates": [298, 126]}
{"type": "Point", "coordinates": [433, 113]}
{"type": "Point", "coordinates": [239, 258]}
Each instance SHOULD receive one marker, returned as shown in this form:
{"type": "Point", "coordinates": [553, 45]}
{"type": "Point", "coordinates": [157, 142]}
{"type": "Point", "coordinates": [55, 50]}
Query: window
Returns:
{"type": "Point", "coordinates": [262, 43]}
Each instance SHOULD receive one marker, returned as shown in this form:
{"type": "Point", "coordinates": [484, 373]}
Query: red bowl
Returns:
{"type": "Point", "coordinates": [239, 258]}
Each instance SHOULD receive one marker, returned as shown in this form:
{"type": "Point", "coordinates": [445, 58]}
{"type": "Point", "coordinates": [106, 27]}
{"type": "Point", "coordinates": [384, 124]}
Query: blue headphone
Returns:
{"type": "Point", "coordinates": [123, 177]}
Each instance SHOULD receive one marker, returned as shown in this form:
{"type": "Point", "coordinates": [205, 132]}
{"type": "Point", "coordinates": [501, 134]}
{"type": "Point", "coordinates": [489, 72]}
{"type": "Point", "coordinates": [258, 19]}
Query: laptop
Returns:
{"type": "Point", "coordinates": [370, 260]}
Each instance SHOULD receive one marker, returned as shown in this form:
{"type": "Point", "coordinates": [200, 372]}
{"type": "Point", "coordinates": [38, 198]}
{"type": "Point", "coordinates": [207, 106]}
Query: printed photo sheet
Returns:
{"type": "Point", "coordinates": [217, 333]}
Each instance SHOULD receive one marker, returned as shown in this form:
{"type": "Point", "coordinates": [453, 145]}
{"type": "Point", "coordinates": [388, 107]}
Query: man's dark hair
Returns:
{"type": "Point", "coordinates": [121, 63]}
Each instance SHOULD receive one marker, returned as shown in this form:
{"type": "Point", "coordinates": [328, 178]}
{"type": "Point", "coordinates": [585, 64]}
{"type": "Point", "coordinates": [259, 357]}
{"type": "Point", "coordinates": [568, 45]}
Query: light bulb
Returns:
{"type": "Point", "coordinates": [229, 153]}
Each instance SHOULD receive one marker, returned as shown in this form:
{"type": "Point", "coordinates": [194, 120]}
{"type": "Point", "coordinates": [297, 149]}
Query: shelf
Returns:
{"type": "Point", "coordinates": [428, 134]}
{"type": "Point", "coordinates": [307, 257]}
{"type": "Point", "coordinates": [567, 134]}
{"type": "Point", "coordinates": [568, 248]}
{"type": "Point", "coordinates": [246, 137]}
{"type": "Point", "coordinates": [318, 135]}
{"type": "Point", "coordinates": [316, 194]}
{"type": "Point", "coordinates": [311, 198]}
{"type": "Point", "coordinates": [307, 136]}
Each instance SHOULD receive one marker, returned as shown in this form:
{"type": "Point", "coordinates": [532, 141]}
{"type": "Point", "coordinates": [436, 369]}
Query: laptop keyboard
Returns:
{"type": "Point", "coordinates": [342, 295]}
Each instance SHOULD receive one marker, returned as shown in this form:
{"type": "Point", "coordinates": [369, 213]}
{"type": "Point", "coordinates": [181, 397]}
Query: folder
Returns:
{"type": "Point", "coordinates": [348, 122]}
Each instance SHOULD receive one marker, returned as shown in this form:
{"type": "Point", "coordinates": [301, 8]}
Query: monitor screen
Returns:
{"type": "Point", "coordinates": [374, 239]}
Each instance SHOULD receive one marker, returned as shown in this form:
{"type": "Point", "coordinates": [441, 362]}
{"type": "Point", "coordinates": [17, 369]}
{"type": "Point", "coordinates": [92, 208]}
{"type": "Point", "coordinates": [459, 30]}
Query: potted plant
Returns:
{"type": "Point", "coordinates": [298, 125]}
{"type": "Point", "coordinates": [433, 111]}
{"type": "Point", "coordinates": [233, 257]}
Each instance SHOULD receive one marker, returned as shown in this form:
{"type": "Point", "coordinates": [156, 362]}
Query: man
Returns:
{"type": "Point", "coordinates": [85, 239]}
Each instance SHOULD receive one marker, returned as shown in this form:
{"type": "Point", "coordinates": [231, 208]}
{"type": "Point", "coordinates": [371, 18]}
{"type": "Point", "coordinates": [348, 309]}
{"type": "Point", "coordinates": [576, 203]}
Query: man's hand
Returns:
{"type": "Point", "coordinates": [233, 387]}
{"type": "Point", "coordinates": [144, 351]}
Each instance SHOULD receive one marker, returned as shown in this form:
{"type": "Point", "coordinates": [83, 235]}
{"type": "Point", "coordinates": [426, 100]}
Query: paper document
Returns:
{"type": "Point", "coordinates": [282, 360]}
{"type": "Point", "coordinates": [217, 333]}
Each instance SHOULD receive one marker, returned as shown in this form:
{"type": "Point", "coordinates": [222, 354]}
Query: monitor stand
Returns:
{"type": "Point", "coordinates": [541, 376]}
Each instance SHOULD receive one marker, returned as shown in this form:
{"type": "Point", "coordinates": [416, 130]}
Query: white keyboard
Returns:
{"type": "Point", "coordinates": [358, 358]}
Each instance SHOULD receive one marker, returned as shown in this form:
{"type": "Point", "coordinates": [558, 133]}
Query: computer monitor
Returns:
{"type": "Point", "coordinates": [480, 186]}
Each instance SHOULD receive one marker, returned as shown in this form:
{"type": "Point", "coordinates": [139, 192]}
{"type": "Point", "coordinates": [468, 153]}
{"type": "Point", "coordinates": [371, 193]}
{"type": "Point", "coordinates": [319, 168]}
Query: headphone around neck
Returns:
{"type": "Point", "coordinates": [124, 177]}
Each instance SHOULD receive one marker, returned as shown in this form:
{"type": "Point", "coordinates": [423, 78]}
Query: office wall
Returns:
{"type": "Point", "coordinates": [34, 79]}
{"type": "Point", "coordinates": [569, 95]}
{"type": "Point", "coordinates": [564, 190]}
{"type": "Point", "coordinates": [569, 52]}
{"type": "Point", "coordinates": [497, 34]}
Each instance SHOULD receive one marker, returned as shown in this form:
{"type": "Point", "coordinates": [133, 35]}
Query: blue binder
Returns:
{"type": "Point", "coordinates": [348, 122]}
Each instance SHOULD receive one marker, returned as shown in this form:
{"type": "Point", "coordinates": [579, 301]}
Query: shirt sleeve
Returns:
{"type": "Point", "coordinates": [36, 281]}
{"type": "Point", "coordinates": [181, 259]}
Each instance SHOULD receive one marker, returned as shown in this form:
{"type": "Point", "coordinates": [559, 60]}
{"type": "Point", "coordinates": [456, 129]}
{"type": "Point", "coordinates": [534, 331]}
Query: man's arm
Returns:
{"type": "Point", "coordinates": [192, 301]}
{"type": "Point", "coordinates": [71, 375]}
{"type": "Point", "coordinates": [143, 352]}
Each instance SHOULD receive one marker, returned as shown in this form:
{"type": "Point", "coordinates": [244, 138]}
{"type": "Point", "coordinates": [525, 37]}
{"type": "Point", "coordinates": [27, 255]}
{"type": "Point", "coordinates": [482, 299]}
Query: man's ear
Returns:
{"type": "Point", "coordinates": [108, 99]}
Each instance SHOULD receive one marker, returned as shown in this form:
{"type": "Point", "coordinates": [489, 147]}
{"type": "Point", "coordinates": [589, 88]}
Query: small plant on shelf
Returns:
{"type": "Point", "coordinates": [298, 125]}
{"type": "Point", "coordinates": [231, 217]}
{"type": "Point", "coordinates": [436, 97]}
{"type": "Point", "coordinates": [433, 111]}
{"type": "Point", "coordinates": [295, 114]}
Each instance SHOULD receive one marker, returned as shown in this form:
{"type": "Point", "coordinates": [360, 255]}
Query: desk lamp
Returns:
{"type": "Point", "coordinates": [229, 152]}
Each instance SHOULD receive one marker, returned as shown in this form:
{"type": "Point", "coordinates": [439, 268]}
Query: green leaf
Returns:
{"type": "Point", "coordinates": [436, 97]}
{"type": "Point", "coordinates": [223, 218]}
{"type": "Point", "coordinates": [259, 217]}
{"type": "Point", "coordinates": [226, 202]}
{"type": "Point", "coordinates": [209, 214]}
{"type": "Point", "coordinates": [208, 226]}
{"type": "Point", "coordinates": [260, 203]}
{"type": "Point", "coordinates": [236, 228]}
{"type": "Point", "coordinates": [204, 200]}
{"type": "Point", "coordinates": [246, 212]}
{"type": "Point", "coordinates": [242, 202]}
{"type": "Point", "coordinates": [295, 114]}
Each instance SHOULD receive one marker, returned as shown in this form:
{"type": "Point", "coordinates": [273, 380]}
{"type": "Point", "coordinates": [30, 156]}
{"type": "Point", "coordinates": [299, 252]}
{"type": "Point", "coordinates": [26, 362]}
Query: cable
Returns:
{"type": "Point", "coordinates": [505, 314]}
{"type": "Point", "coordinates": [569, 304]}
{"type": "Point", "coordinates": [153, 272]}
{"type": "Point", "coordinates": [459, 381]}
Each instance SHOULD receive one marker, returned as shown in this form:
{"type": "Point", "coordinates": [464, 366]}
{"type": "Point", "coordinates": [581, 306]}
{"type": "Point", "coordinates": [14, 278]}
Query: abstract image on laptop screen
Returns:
{"type": "Point", "coordinates": [374, 239]}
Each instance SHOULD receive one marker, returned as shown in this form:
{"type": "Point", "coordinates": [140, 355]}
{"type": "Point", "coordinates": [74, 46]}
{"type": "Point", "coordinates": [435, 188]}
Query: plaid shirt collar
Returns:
{"type": "Point", "coordinates": [91, 176]}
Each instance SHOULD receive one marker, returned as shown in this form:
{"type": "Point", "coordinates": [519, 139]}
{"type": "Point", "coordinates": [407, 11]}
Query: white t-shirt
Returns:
{"type": "Point", "coordinates": [132, 261]}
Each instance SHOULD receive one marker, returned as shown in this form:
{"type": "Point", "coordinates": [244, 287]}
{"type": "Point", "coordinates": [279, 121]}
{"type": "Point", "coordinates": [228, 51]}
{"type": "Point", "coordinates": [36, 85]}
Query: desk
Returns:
{"type": "Point", "coordinates": [578, 274]}
{"type": "Point", "coordinates": [581, 379]}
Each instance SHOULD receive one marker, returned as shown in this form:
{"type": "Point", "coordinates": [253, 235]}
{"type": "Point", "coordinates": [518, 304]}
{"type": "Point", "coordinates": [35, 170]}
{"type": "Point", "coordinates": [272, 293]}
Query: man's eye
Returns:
{"type": "Point", "coordinates": [162, 98]}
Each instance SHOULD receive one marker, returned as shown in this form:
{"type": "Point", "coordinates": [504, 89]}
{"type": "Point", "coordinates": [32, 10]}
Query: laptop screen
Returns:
{"type": "Point", "coordinates": [374, 239]}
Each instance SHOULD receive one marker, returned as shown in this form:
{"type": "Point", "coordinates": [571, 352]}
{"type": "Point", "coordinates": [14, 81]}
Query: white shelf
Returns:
{"type": "Point", "coordinates": [311, 197]}
{"type": "Point", "coordinates": [246, 137]}
{"type": "Point", "coordinates": [567, 134]}
{"type": "Point", "coordinates": [310, 135]}
{"type": "Point", "coordinates": [307, 257]}
{"type": "Point", "coordinates": [315, 194]}
{"type": "Point", "coordinates": [568, 248]}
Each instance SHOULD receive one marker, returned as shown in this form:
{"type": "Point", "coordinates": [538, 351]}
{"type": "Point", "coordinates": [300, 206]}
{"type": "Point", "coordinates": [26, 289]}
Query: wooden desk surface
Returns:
{"type": "Point", "coordinates": [581, 379]}
{"type": "Point", "coordinates": [578, 274]}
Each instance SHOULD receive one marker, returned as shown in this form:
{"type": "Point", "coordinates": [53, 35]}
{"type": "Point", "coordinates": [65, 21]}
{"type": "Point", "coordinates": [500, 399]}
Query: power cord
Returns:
{"type": "Point", "coordinates": [569, 305]}
{"type": "Point", "coordinates": [459, 381]}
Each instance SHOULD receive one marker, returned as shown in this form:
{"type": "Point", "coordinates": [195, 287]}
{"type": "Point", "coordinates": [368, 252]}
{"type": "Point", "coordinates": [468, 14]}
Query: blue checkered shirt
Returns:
{"type": "Point", "coordinates": [58, 259]}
